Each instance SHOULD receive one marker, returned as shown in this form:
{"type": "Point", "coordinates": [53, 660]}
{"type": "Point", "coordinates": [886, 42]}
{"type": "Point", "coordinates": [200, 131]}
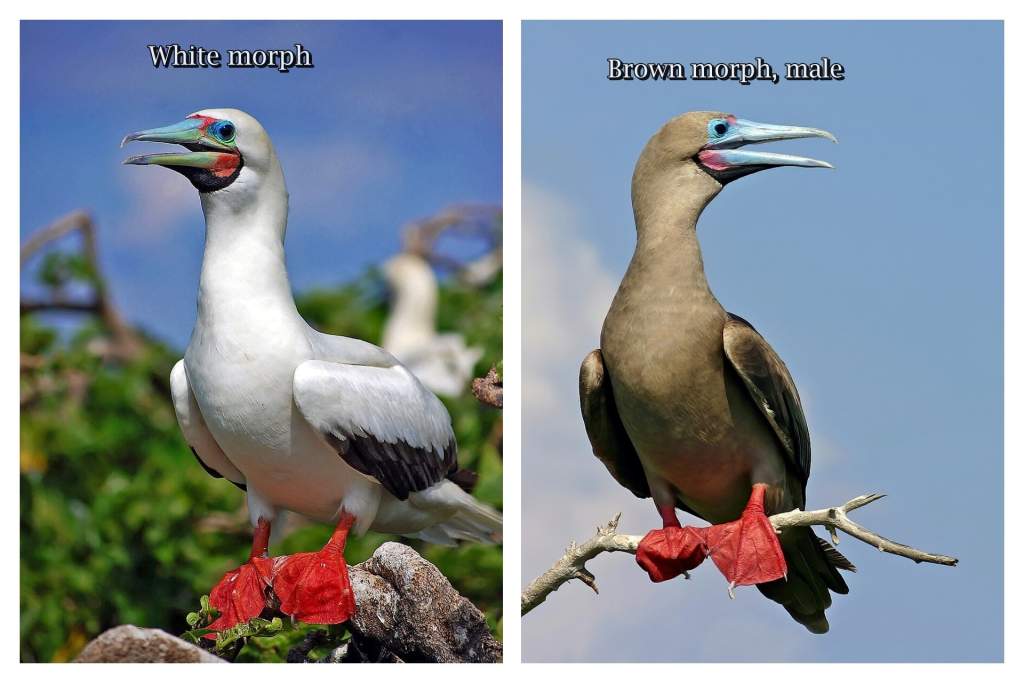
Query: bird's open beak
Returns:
{"type": "Point", "coordinates": [726, 162]}
{"type": "Point", "coordinates": [206, 151]}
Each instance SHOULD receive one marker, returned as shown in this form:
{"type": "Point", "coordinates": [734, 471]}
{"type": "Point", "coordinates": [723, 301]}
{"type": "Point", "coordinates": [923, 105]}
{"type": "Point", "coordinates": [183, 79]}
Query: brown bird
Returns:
{"type": "Point", "coordinates": [686, 403]}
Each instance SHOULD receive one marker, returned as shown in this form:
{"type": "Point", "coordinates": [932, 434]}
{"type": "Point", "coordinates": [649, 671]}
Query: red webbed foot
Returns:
{"type": "Point", "coordinates": [746, 551]}
{"type": "Point", "coordinates": [314, 587]}
{"type": "Point", "coordinates": [666, 553]}
{"type": "Point", "coordinates": [241, 594]}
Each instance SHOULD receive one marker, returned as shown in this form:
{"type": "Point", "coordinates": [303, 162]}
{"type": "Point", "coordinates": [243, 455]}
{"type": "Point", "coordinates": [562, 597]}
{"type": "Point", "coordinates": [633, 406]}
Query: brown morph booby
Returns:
{"type": "Point", "coordinates": [686, 403]}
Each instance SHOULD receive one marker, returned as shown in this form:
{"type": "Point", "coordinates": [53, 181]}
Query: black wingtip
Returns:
{"type": "Point", "coordinates": [214, 473]}
{"type": "Point", "coordinates": [464, 479]}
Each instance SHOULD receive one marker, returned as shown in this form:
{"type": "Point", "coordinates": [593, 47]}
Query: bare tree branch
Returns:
{"type": "Point", "coordinates": [59, 303]}
{"type": "Point", "coordinates": [482, 221]}
{"type": "Point", "coordinates": [572, 565]}
{"type": "Point", "coordinates": [125, 341]}
{"type": "Point", "coordinates": [835, 518]}
{"type": "Point", "coordinates": [76, 220]}
{"type": "Point", "coordinates": [489, 389]}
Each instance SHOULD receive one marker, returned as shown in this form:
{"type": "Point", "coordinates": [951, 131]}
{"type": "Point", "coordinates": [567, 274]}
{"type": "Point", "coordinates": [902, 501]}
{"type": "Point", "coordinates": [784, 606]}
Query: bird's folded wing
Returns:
{"type": "Point", "coordinates": [608, 437]}
{"type": "Point", "coordinates": [380, 420]}
{"type": "Point", "coordinates": [193, 427]}
{"type": "Point", "coordinates": [772, 388]}
{"type": "Point", "coordinates": [349, 351]}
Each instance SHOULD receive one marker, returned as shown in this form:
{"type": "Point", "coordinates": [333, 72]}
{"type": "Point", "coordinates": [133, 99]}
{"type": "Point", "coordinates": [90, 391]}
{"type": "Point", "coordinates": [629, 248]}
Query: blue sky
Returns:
{"type": "Point", "coordinates": [879, 283]}
{"type": "Point", "coordinates": [395, 122]}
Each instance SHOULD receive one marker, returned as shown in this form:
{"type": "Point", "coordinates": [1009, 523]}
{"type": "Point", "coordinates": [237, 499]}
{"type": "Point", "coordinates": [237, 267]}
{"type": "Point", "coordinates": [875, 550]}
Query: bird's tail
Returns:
{"type": "Point", "coordinates": [472, 521]}
{"type": "Point", "coordinates": [813, 565]}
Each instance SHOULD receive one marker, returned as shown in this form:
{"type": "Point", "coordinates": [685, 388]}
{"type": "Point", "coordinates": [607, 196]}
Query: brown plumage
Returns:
{"type": "Point", "coordinates": [687, 403]}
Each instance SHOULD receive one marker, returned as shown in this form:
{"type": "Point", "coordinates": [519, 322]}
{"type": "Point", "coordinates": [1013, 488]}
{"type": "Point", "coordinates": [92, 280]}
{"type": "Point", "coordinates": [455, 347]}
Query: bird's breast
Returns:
{"type": "Point", "coordinates": [665, 357]}
{"type": "Point", "coordinates": [684, 413]}
{"type": "Point", "coordinates": [243, 385]}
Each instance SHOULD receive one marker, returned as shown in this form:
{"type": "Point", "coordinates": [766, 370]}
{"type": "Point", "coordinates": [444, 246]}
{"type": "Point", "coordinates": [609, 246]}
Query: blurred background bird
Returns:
{"type": "Point", "coordinates": [442, 361]}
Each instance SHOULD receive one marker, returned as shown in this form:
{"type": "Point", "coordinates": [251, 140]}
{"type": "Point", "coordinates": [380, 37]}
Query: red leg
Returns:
{"type": "Point", "coordinates": [746, 551]}
{"type": "Point", "coordinates": [241, 593]}
{"type": "Point", "coordinates": [314, 587]}
{"type": "Point", "coordinates": [668, 516]}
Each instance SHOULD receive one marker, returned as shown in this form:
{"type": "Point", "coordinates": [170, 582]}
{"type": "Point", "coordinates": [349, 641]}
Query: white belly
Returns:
{"type": "Point", "coordinates": [245, 395]}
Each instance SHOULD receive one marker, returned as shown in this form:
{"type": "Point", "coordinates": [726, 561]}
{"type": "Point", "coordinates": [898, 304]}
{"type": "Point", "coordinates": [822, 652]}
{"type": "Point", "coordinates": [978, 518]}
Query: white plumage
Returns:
{"type": "Point", "coordinates": [274, 405]}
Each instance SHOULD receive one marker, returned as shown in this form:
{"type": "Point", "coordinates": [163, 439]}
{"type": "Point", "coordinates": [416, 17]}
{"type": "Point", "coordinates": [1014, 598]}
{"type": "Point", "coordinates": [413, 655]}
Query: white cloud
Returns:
{"type": "Point", "coordinates": [336, 177]}
{"type": "Point", "coordinates": [568, 292]}
{"type": "Point", "coordinates": [157, 203]}
{"type": "Point", "coordinates": [328, 168]}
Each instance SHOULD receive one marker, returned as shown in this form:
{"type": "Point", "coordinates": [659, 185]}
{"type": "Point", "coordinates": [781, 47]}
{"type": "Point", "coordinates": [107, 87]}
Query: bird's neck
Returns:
{"type": "Point", "coordinates": [666, 211]}
{"type": "Point", "coordinates": [413, 315]}
{"type": "Point", "coordinates": [243, 261]}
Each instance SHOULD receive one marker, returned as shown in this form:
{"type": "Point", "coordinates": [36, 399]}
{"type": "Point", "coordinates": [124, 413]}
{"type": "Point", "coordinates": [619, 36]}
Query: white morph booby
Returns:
{"type": "Point", "coordinates": [442, 362]}
{"type": "Point", "coordinates": [686, 403]}
{"type": "Point", "coordinates": [333, 428]}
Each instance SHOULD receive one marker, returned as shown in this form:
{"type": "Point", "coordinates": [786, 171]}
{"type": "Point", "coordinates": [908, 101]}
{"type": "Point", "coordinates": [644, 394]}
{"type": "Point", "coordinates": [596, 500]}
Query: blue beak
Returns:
{"type": "Point", "coordinates": [190, 132]}
{"type": "Point", "coordinates": [743, 132]}
{"type": "Point", "coordinates": [723, 159]}
{"type": "Point", "coordinates": [206, 151]}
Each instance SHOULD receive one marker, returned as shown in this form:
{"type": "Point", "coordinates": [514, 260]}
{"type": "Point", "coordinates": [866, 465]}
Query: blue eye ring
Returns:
{"type": "Point", "coordinates": [717, 128]}
{"type": "Point", "coordinates": [225, 131]}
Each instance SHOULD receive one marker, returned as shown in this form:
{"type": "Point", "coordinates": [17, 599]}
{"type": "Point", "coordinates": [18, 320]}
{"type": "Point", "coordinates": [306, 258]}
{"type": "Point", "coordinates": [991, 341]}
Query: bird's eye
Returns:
{"type": "Point", "coordinates": [225, 132]}
{"type": "Point", "coordinates": [719, 127]}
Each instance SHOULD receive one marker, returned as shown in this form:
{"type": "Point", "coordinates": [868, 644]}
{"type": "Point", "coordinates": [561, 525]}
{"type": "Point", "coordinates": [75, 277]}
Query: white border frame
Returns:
{"type": "Point", "coordinates": [512, 12]}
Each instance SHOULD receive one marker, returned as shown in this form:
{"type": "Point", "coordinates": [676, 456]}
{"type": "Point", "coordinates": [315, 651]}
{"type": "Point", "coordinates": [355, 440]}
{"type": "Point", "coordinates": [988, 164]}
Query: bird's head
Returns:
{"type": "Point", "coordinates": [707, 146]}
{"type": "Point", "coordinates": [227, 148]}
{"type": "Point", "coordinates": [406, 273]}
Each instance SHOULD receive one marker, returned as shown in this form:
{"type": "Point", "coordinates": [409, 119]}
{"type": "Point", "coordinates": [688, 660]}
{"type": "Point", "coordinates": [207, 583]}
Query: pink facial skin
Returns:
{"type": "Point", "coordinates": [712, 158]}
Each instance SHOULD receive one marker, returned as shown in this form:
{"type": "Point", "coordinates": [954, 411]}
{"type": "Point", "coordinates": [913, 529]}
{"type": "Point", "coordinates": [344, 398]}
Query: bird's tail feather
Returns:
{"type": "Point", "coordinates": [472, 521]}
{"type": "Point", "coordinates": [812, 574]}
{"type": "Point", "coordinates": [835, 558]}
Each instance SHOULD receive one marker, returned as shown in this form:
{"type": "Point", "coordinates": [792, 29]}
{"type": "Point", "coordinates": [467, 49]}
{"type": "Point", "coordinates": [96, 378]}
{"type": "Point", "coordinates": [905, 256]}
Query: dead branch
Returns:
{"type": "Point", "coordinates": [572, 565]}
{"type": "Point", "coordinates": [125, 342]}
{"type": "Point", "coordinates": [59, 303]}
{"type": "Point", "coordinates": [481, 221]}
{"type": "Point", "coordinates": [489, 389]}
{"type": "Point", "coordinates": [76, 220]}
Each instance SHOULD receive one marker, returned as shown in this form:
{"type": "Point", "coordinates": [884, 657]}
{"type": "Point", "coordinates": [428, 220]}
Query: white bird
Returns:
{"type": "Point", "coordinates": [333, 428]}
{"type": "Point", "coordinates": [442, 362]}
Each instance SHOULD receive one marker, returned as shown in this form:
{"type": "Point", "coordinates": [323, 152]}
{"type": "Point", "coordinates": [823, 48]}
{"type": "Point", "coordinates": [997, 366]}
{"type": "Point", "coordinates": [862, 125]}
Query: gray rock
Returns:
{"type": "Point", "coordinates": [134, 644]}
{"type": "Point", "coordinates": [407, 606]}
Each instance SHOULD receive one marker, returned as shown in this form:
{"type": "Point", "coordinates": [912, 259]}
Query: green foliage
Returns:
{"type": "Point", "coordinates": [120, 525]}
{"type": "Point", "coordinates": [259, 640]}
{"type": "Point", "coordinates": [230, 640]}
{"type": "Point", "coordinates": [60, 268]}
